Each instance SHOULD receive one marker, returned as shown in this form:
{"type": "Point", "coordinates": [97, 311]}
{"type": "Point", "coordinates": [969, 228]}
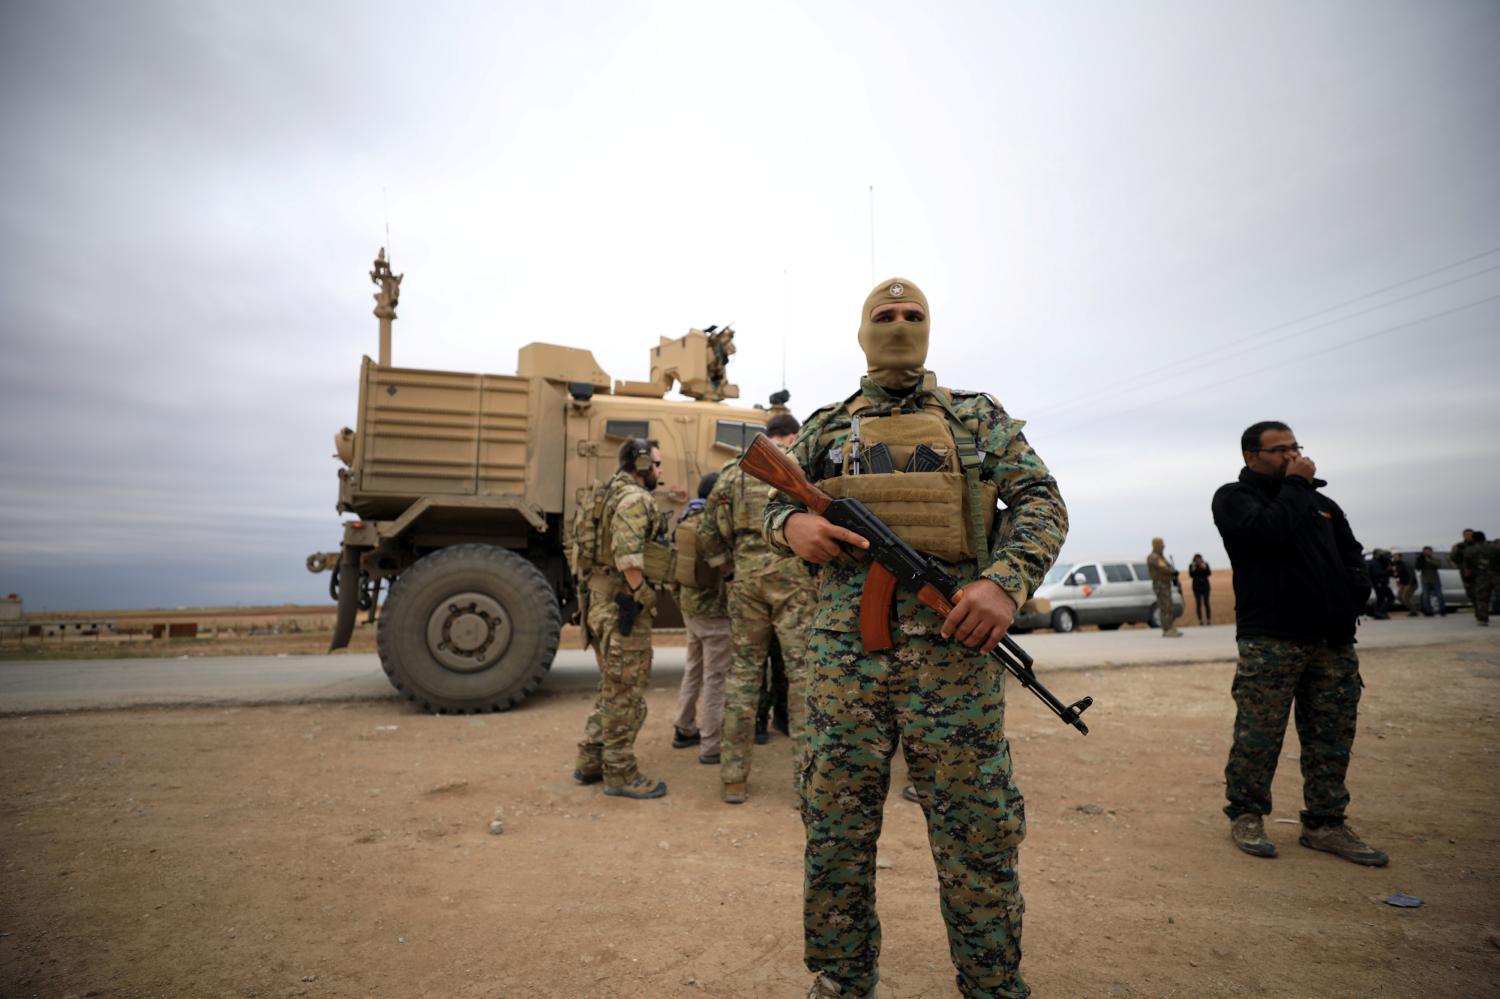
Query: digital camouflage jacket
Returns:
{"type": "Point", "coordinates": [1023, 543]}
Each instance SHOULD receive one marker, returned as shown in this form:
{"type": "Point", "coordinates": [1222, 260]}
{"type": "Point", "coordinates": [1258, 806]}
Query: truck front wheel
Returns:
{"type": "Point", "coordinates": [469, 628]}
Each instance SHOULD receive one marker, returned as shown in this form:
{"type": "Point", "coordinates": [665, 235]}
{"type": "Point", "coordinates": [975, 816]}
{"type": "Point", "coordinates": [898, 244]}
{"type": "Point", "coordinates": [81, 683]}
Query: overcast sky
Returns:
{"type": "Point", "coordinates": [1140, 226]}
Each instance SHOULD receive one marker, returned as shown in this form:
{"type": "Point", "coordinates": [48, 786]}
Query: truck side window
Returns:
{"type": "Point", "coordinates": [1142, 572]}
{"type": "Point", "coordinates": [622, 429]}
{"type": "Point", "coordinates": [1087, 574]}
{"type": "Point", "coordinates": [1117, 572]}
{"type": "Point", "coordinates": [735, 434]}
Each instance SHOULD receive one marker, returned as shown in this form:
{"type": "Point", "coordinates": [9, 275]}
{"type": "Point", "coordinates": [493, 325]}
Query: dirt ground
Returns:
{"type": "Point", "coordinates": [344, 850]}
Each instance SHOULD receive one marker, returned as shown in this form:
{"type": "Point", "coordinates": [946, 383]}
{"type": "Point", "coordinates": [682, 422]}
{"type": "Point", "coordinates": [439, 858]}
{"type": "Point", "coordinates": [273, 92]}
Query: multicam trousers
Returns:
{"type": "Point", "coordinates": [1323, 684]}
{"type": "Point", "coordinates": [946, 705]}
{"type": "Point", "coordinates": [777, 600]}
{"type": "Point", "coordinates": [620, 703]}
{"type": "Point", "coordinates": [1163, 588]}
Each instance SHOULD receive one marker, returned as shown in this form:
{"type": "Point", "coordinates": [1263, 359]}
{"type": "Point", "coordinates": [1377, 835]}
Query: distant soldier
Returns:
{"type": "Point", "coordinates": [1456, 555]}
{"type": "Point", "coordinates": [1299, 584]}
{"type": "Point", "coordinates": [1433, 600]}
{"type": "Point", "coordinates": [1163, 575]}
{"type": "Point", "coordinates": [771, 594]}
{"type": "Point", "coordinates": [622, 605]}
{"type": "Point", "coordinates": [1484, 559]}
{"type": "Point", "coordinates": [705, 616]}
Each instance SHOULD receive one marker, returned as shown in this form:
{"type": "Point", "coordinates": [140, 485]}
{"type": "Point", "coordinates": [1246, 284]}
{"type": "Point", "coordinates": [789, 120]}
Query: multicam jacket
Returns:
{"type": "Point", "coordinates": [1023, 543]}
{"type": "Point", "coordinates": [632, 519]}
{"type": "Point", "coordinates": [733, 524]}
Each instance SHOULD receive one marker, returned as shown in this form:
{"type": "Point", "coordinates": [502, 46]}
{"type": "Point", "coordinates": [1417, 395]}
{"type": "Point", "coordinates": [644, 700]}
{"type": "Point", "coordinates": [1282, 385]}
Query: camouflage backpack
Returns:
{"type": "Point", "coordinates": [584, 532]}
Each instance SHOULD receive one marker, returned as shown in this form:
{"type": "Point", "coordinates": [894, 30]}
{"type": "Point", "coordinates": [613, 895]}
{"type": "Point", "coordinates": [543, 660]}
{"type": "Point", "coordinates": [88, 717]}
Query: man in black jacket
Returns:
{"type": "Point", "coordinates": [1299, 584]}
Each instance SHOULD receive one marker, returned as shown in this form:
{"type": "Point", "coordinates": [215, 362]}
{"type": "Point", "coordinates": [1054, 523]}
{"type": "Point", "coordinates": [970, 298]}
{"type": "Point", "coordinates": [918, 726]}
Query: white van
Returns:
{"type": "Point", "coordinates": [1108, 594]}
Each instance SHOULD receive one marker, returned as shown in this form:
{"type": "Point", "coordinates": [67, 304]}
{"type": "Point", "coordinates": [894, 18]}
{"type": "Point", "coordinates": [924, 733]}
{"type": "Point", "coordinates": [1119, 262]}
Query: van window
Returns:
{"type": "Point", "coordinates": [1087, 574]}
{"type": "Point", "coordinates": [1142, 571]}
{"type": "Point", "coordinates": [1116, 572]}
{"type": "Point", "coordinates": [1058, 572]}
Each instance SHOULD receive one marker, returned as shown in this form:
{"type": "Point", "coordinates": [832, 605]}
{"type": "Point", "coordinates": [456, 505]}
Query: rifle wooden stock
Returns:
{"type": "Point", "coordinates": [771, 465]}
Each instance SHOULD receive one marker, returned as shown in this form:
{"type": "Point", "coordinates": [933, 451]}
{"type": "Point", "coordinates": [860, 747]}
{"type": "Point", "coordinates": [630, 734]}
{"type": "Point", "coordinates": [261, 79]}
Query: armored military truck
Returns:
{"type": "Point", "coordinates": [459, 488]}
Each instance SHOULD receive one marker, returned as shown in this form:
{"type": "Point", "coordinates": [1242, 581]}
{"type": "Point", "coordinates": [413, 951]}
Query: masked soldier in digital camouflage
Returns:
{"type": "Point", "coordinates": [931, 463]}
{"type": "Point", "coordinates": [622, 605]}
{"type": "Point", "coordinates": [771, 593]}
{"type": "Point", "coordinates": [1163, 575]}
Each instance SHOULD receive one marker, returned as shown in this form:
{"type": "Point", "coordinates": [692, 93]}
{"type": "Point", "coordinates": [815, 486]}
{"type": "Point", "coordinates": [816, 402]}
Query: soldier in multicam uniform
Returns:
{"type": "Point", "coordinates": [1163, 575]}
{"type": "Point", "coordinates": [936, 690]}
{"type": "Point", "coordinates": [705, 618]}
{"type": "Point", "coordinates": [1482, 558]}
{"type": "Point", "coordinates": [1299, 584]}
{"type": "Point", "coordinates": [771, 592]}
{"type": "Point", "coordinates": [1456, 556]}
{"type": "Point", "coordinates": [622, 605]}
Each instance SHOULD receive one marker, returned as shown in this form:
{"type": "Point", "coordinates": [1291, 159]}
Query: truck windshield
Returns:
{"type": "Point", "coordinates": [1058, 573]}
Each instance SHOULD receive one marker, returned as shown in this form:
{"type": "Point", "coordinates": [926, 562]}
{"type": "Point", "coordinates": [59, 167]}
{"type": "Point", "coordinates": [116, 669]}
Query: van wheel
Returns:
{"type": "Point", "coordinates": [1064, 621]}
{"type": "Point", "coordinates": [469, 628]}
{"type": "Point", "coordinates": [1110, 626]}
{"type": "Point", "coordinates": [1155, 619]}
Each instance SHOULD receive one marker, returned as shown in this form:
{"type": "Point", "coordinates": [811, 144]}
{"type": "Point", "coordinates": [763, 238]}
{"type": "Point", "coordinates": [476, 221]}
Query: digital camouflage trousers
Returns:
{"type": "Point", "coordinates": [946, 706]}
{"type": "Point", "coordinates": [619, 710]}
{"type": "Point", "coordinates": [776, 602]}
{"type": "Point", "coordinates": [1321, 684]}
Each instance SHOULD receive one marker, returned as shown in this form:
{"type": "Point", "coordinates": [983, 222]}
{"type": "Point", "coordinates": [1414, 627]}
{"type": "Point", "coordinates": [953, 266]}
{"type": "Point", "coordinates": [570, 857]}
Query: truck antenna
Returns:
{"type": "Point", "coordinates": [385, 202]}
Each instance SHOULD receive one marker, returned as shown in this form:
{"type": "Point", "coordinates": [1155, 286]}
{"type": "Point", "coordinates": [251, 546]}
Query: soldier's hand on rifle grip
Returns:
{"type": "Point", "coordinates": [981, 616]}
{"type": "Point", "coordinates": [815, 539]}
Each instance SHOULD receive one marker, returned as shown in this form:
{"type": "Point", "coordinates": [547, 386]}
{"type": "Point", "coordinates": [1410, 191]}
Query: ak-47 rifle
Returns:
{"type": "Point", "coordinates": [893, 561]}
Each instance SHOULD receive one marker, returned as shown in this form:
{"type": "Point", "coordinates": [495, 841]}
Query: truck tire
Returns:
{"type": "Point", "coordinates": [469, 628]}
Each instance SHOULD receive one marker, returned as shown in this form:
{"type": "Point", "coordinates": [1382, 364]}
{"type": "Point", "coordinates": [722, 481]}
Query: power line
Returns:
{"type": "Point", "coordinates": [1066, 404]}
{"type": "Point", "coordinates": [1115, 413]}
{"type": "Point", "coordinates": [1259, 344]}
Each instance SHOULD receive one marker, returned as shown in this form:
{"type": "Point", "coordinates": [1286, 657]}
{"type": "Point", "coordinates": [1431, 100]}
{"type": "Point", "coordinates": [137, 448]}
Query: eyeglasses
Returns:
{"type": "Point", "coordinates": [1278, 449]}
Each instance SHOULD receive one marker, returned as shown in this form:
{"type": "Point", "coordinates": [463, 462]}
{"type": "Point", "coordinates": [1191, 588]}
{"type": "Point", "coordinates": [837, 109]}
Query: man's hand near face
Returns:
{"type": "Point", "coordinates": [1303, 466]}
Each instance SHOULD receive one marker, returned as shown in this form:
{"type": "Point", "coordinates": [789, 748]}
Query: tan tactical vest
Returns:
{"type": "Point", "coordinates": [689, 568]}
{"type": "Point", "coordinates": [593, 539]}
{"type": "Point", "coordinates": [947, 513]}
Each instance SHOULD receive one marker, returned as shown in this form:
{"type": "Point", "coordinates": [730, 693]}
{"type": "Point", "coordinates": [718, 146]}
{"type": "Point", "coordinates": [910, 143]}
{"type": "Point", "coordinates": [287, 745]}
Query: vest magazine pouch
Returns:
{"type": "Point", "coordinates": [927, 510]}
{"type": "Point", "coordinates": [658, 562]}
{"type": "Point", "coordinates": [688, 566]}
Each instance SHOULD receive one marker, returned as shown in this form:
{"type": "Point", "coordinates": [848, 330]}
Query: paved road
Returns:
{"type": "Point", "coordinates": [65, 685]}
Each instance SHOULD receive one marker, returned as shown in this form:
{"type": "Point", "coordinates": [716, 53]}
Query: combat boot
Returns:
{"type": "Point", "coordinates": [824, 987]}
{"type": "Point", "coordinates": [735, 792]}
{"type": "Point", "coordinates": [1249, 834]}
{"type": "Point", "coordinates": [640, 787]}
{"type": "Point", "coordinates": [762, 736]}
{"type": "Point", "coordinates": [1171, 633]}
{"type": "Point", "coordinates": [587, 776]}
{"type": "Point", "coordinates": [682, 740]}
{"type": "Point", "coordinates": [1341, 841]}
